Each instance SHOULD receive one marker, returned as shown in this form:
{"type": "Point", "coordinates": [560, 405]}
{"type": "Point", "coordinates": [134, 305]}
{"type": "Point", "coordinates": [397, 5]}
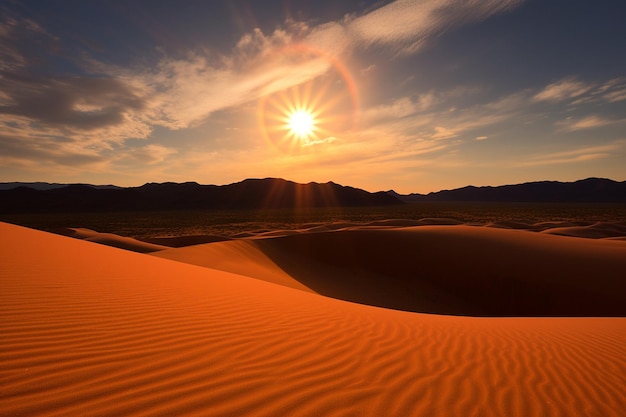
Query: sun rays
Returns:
{"type": "Point", "coordinates": [307, 115]}
{"type": "Point", "coordinates": [312, 114]}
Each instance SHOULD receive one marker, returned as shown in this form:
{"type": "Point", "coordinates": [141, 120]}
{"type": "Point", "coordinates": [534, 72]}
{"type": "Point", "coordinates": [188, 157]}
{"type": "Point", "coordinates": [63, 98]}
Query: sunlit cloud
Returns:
{"type": "Point", "coordinates": [149, 154]}
{"type": "Point", "coordinates": [406, 25]}
{"type": "Point", "coordinates": [562, 90]}
{"type": "Point", "coordinates": [399, 108]}
{"type": "Point", "coordinates": [576, 92]}
{"type": "Point", "coordinates": [444, 133]}
{"type": "Point", "coordinates": [589, 122]}
{"type": "Point", "coordinates": [583, 154]}
{"type": "Point", "coordinates": [23, 149]}
{"type": "Point", "coordinates": [101, 112]}
{"type": "Point", "coordinates": [313, 142]}
{"type": "Point", "coordinates": [191, 89]}
{"type": "Point", "coordinates": [427, 122]}
{"type": "Point", "coordinates": [80, 103]}
{"type": "Point", "coordinates": [614, 90]}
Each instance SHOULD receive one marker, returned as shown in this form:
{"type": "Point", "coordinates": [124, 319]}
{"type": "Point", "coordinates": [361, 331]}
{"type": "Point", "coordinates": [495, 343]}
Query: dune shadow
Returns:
{"type": "Point", "coordinates": [455, 271]}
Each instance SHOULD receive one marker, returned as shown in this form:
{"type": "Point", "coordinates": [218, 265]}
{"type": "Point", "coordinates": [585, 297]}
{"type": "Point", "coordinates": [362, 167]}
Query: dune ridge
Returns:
{"type": "Point", "coordinates": [462, 270]}
{"type": "Point", "coordinates": [94, 330]}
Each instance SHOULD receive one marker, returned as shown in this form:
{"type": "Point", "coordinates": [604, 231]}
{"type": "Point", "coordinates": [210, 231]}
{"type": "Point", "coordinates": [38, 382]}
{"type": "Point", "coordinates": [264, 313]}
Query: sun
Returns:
{"type": "Point", "coordinates": [301, 123]}
{"type": "Point", "coordinates": [308, 117]}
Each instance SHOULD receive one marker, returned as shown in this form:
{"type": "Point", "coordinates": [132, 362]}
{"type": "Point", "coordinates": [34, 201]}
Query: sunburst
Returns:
{"type": "Point", "coordinates": [313, 113]}
{"type": "Point", "coordinates": [301, 123]}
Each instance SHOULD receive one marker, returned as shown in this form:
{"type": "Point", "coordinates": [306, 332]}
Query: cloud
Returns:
{"type": "Point", "coordinates": [439, 120]}
{"type": "Point", "coordinates": [444, 133]}
{"type": "Point", "coordinates": [108, 105]}
{"type": "Point", "coordinates": [368, 69]}
{"type": "Point", "coordinates": [313, 142]}
{"type": "Point", "coordinates": [178, 93]}
{"type": "Point", "coordinates": [149, 154]}
{"type": "Point", "coordinates": [189, 90]}
{"type": "Point", "coordinates": [406, 106]}
{"type": "Point", "coordinates": [577, 92]}
{"type": "Point", "coordinates": [22, 41]}
{"type": "Point", "coordinates": [588, 122]}
{"type": "Point", "coordinates": [429, 118]}
{"type": "Point", "coordinates": [588, 153]}
{"type": "Point", "coordinates": [397, 109]}
{"type": "Point", "coordinates": [613, 90]}
{"type": "Point", "coordinates": [72, 102]}
{"type": "Point", "coordinates": [406, 25]}
{"type": "Point", "coordinates": [16, 150]}
{"type": "Point", "coordinates": [616, 95]}
{"type": "Point", "coordinates": [51, 119]}
{"type": "Point", "coordinates": [562, 90]}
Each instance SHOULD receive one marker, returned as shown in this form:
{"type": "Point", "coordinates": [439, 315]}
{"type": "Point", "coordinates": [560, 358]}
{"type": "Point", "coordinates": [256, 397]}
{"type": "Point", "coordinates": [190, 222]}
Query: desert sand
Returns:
{"type": "Point", "coordinates": [269, 325]}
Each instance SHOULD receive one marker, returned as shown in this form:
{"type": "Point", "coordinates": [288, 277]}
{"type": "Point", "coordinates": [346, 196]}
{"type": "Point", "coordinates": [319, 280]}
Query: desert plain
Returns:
{"type": "Point", "coordinates": [429, 317]}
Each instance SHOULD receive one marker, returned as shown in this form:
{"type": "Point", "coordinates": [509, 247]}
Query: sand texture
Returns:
{"type": "Point", "coordinates": [89, 330]}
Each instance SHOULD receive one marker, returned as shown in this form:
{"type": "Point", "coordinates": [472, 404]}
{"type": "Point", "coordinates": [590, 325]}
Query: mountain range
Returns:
{"type": "Point", "coordinates": [279, 193]}
{"type": "Point", "coordinates": [266, 193]}
{"type": "Point", "coordinates": [600, 190]}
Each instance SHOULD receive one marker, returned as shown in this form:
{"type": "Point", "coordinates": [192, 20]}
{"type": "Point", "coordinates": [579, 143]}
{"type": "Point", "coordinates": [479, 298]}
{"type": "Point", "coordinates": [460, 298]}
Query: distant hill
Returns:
{"type": "Point", "coordinates": [599, 190]}
{"type": "Point", "coordinates": [247, 194]}
{"type": "Point", "coordinates": [44, 185]}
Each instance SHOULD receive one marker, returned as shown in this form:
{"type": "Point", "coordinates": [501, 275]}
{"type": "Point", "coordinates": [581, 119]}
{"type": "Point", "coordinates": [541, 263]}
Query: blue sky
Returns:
{"type": "Point", "coordinates": [411, 95]}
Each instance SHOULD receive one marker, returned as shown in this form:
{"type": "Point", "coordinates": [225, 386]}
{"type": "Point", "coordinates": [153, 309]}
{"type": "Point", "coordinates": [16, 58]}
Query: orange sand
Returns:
{"type": "Point", "coordinates": [93, 330]}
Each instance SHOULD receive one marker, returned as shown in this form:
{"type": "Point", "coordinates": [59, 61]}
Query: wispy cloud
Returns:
{"type": "Point", "coordinates": [148, 154]}
{"type": "Point", "coordinates": [562, 90]}
{"type": "Point", "coordinates": [444, 133]}
{"type": "Point", "coordinates": [588, 122]}
{"type": "Point", "coordinates": [587, 153]}
{"type": "Point", "coordinates": [397, 109]}
{"type": "Point", "coordinates": [22, 41]}
{"type": "Point", "coordinates": [613, 90]}
{"type": "Point", "coordinates": [576, 92]}
{"type": "Point", "coordinates": [406, 25]}
{"type": "Point", "coordinates": [313, 142]}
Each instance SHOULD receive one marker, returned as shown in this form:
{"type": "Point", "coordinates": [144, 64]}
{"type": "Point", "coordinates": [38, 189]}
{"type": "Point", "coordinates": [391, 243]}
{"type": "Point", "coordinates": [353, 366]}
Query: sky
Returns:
{"type": "Point", "coordinates": [410, 95]}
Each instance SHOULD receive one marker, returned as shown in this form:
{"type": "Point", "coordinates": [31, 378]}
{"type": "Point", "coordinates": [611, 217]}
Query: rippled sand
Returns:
{"type": "Point", "coordinates": [94, 330]}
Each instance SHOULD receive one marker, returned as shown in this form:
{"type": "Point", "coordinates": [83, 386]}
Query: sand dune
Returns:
{"type": "Point", "coordinates": [463, 270]}
{"type": "Point", "coordinates": [600, 230]}
{"type": "Point", "coordinates": [94, 330]}
{"type": "Point", "coordinates": [238, 256]}
{"type": "Point", "coordinates": [111, 239]}
{"type": "Point", "coordinates": [181, 241]}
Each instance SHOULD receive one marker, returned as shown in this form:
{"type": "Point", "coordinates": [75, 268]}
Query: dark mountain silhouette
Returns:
{"type": "Point", "coordinates": [600, 190]}
{"type": "Point", "coordinates": [44, 185]}
{"type": "Point", "coordinates": [278, 193]}
{"type": "Point", "coordinates": [248, 194]}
